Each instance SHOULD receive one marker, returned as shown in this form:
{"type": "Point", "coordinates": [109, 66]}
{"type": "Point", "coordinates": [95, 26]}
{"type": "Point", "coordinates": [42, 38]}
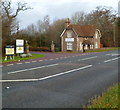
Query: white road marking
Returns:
{"type": "Point", "coordinates": [87, 58]}
{"type": "Point", "coordinates": [34, 61]}
{"type": "Point", "coordinates": [108, 54]}
{"type": "Point", "coordinates": [111, 59]}
{"type": "Point", "coordinates": [40, 60]}
{"type": "Point", "coordinates": [47, 77]}
{"type": "Point", "coordinates": [1, 66]}
{"type": "Point", "coordinates": [9, 64]}
{"type": "Point", "coordinates": [31, 69]}
{"type": "Point", "coordinates": [7, 87]}
{"type": "Point", "coordinates": [27, 62]}
{"type": "Point", "coordinates": [51, 59]}
{"type": "Point", "coordinates": [113, 54]}
{"type": "Point", "coordinates": [19, 63]}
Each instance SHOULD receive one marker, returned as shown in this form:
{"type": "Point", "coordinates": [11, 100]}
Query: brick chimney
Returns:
{"type": "Point", "coordinates": [67, 22]}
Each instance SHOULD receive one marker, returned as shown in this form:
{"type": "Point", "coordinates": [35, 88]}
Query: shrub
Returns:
{"type": "Point", "coordinates": [44, 49]}
{"type": "Point", "coordinates": [57, 49]}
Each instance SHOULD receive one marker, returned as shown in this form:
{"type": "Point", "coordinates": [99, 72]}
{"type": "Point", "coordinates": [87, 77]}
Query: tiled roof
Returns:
{"type": "Point", "coordinates": [87, 30]}
{"type": "Point", "coordinates": [87, 42]}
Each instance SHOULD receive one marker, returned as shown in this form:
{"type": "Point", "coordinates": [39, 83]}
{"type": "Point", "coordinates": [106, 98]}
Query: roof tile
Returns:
{"type": "Point", "coordinates": [87, 30]}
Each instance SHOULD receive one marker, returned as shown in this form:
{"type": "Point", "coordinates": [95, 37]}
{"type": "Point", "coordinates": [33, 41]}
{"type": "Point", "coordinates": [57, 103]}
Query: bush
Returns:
{"type": "Point", "coordinates": [44, 49]}
{"type": "Point", "coordinates": [57, 49]}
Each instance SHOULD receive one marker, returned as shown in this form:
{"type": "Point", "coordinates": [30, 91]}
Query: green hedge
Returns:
{"type": "Point", "coordinates": [41, 49]}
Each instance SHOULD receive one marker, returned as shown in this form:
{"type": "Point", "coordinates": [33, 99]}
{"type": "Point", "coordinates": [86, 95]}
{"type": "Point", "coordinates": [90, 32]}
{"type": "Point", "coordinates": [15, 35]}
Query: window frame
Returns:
{"type": "Point", "coordinates": [69, 46]}
{"type": "Point", "coordinates": [69, 34]}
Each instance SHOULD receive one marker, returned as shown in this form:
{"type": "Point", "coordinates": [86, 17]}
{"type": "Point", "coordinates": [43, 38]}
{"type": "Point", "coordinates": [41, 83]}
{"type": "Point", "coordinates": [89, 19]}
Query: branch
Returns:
{"type": "Point", "coordinates": [21, 7]}
{"type": "Point", "coordinates": [7, 6]}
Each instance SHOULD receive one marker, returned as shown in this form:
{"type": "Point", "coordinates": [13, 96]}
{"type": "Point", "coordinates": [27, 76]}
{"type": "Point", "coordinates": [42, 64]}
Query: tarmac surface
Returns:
{"type": "Point", "coordinates": [58, 80]}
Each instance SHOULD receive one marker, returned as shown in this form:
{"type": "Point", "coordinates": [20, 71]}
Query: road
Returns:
{"type": "Point", "coordinates": [63, 82]}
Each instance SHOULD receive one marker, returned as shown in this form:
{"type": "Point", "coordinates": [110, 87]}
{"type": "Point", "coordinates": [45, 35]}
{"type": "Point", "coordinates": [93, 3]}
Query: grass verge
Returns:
{"type": "Point", "coordinates": [103, 49]}
{"type": "Point", "coordinates": [17, 58]}
{"type": "Point", "coordinates": [109, 99]}
{"type": "Point", "coordinates": [96, 50]}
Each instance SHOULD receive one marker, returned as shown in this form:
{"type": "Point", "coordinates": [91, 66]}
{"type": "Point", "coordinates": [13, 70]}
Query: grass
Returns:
{"type": "Point", "coordinates": [109, 99]}
{"type": "Point", "coordinates": [17, 58]}
{"type": "Point", "coordinates": [96, 50]}
{"type": "Point", "coordinates": [103, 49]}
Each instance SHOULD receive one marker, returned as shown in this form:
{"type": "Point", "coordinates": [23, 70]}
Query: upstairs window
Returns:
{"type": "Point", "coordinates": [69, 34]}
{"type": "Point", "coordinates": [86, 38]}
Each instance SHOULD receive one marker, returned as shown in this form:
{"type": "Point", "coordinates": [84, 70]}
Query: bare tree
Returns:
{"type": "Point", "coordinates": [103, 18]}
{"type": "Point", "coordinates": [54, 32]}
{"type": "Point", "coordinates": [78, 18]}
{"type": "Point", "coordinates": [9, 23]}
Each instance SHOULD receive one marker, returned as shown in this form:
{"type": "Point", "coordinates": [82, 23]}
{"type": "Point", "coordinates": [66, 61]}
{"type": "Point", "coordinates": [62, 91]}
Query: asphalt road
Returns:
{"type": "Point", "coordinates": [63, 82]}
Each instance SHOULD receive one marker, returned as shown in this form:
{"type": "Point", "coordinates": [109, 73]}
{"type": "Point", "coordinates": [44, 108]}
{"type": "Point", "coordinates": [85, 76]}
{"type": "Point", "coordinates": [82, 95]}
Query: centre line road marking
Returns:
{"type": "Point", "coordinates": [111, 59]}
{"type": "Point", "coordinates": [31, 69]}
{"type": "Point", "coordinates": [27, 62]}
{"type": "Point", "coordinates": [9, 64]}
{"type": "Point", "coordinates": [47, 77]}
{"type": "Point", "coordinates": [87, 58]}
{"type": "Point", "coordinates": [19, 63]}
{"type": "Point", "coordinates": [34, 61]}
{"type": "Point", "coordinates": [40, 60]}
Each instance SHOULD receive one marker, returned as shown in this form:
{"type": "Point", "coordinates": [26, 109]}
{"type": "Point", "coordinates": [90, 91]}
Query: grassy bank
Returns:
{"type": "Point", "coordinates": [109, 99]}
{"type": "Point", "coordinates": [17, 58]}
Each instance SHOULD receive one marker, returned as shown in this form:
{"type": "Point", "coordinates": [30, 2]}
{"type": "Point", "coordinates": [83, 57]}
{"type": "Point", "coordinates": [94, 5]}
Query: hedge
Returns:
{"type": "Point", "coordinates": [44, 49]}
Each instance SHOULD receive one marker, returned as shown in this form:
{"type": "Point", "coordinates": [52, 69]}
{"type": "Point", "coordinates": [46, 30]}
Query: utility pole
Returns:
{"type": "Point", "coordinates": [114, 34]}
{"type": "Point", "coordinates": [114, 30]}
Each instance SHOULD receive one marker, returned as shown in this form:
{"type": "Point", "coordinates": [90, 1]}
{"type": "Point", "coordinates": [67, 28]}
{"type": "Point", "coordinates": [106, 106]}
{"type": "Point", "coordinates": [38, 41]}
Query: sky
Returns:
{"type": "Point", "coordinates": [58, 9]}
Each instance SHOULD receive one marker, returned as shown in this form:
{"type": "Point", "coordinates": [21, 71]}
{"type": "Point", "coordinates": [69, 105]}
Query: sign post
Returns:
{"type": "Point", "coordinates": [19, 46]}
{"type": "Point", "coordinates": [9, 50]}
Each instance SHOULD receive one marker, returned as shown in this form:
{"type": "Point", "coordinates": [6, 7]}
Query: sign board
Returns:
{"type": "Point", "coordinates": [9, 50]}
{"type": "Point", "coordinates": [69, 39]}
{"type": "Point", "coordinates": [19, 42]}
{"type": "Point", "coordinates": [19, 49]}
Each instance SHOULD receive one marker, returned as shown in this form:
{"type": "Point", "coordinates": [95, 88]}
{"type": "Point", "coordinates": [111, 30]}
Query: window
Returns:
{"type": "Point", "coordinates": [69, 45]}
{"type": "Point", "coordinates": [69, 34]}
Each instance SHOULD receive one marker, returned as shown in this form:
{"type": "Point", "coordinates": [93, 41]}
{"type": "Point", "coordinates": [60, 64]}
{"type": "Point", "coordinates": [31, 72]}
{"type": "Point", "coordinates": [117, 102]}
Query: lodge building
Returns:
{"type": "Point", "coordinates": [77, 38]}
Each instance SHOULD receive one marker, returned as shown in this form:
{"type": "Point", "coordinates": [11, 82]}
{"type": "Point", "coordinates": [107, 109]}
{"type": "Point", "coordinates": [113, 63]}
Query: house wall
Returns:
{"type": "Point", "coordinates": [80, 43]}
{"type": "Point", "coordinates": [77, 44]}
{"type": "Point", "coordinates": [64, 43]}
{"type": "Point", "coordinates": [81, 40]}
{"type": "Point", "coordinates": [96, 40]}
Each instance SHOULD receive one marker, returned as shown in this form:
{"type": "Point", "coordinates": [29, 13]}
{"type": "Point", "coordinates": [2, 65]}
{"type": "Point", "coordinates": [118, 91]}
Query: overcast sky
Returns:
{"type": "Point", "coordinates": [57, 9]}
